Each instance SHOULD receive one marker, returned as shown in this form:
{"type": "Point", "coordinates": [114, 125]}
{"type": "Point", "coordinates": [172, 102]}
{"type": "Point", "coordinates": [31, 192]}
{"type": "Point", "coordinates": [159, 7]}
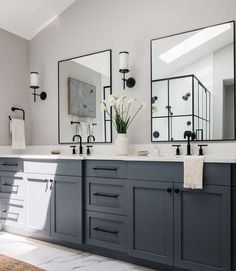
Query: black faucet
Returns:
{"type": "Point", "coordinates": [80, 143]}
{"type": "Point", "coordinates": [189, 135]}
{"type": "Point", "coordinates": [90, 136]}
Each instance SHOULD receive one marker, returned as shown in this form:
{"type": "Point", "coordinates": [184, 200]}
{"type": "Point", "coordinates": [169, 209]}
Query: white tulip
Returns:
{"type": "Point", "coordinates": [103, 107]}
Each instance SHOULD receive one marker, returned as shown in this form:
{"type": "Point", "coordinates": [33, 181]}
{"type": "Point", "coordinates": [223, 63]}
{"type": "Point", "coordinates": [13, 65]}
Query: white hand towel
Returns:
{"type": "Point", "coordinates": [18, 134]}
{"type": "Point", "coordinates": [193, 172]}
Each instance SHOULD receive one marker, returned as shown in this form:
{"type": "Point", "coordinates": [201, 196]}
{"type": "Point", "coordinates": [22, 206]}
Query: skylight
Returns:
{"type": "Point", "coordinates": [193, 42]}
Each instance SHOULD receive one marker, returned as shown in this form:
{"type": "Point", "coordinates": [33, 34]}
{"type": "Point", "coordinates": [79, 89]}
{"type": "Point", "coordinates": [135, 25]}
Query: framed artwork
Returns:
{"type": "Point", "coordinates": [81, 98]}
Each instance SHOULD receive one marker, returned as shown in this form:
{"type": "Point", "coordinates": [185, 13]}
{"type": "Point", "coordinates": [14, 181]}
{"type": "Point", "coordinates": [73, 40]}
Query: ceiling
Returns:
{"type": "Point", "coordinates": [26, 18]}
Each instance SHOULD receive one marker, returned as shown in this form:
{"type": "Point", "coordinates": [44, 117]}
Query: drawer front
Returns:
{"type": "Point", "coordinates": [59, 167]}
{"type": "Point", "coordinates": [106, 195]}
{"type": "Point", "coordinates": [11, 164]}
{"type": "Point", "coordinates": [105, 230]}
{"type": "Point", "coordinates": [217, 174]}
{"type": "Point", "coordinates": [155, 171]}
{"type": "Point", "coordinates": [12, 186]}
{"type": "Point", "coordinates": [12, 213]}
{"type": "Point", "coordinates": [107, 169]}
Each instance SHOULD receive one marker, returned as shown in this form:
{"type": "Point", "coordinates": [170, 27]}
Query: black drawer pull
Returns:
{"type": "Point", "coordinates": [7, 184]}
{"type": "Point", "coordinates": [106, 195]}
{"type": "Point", "coordinates": [106, 168]}
{"type": "Point", "coordinates": [10, 164]}
{"type": "Point", "coordinates": [5, 211]}
{"type": "Point", "coordinates": [103, 230]}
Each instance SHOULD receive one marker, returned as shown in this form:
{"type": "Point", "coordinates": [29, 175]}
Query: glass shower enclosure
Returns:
{"type": "Point", "coordinates": [179, 104]}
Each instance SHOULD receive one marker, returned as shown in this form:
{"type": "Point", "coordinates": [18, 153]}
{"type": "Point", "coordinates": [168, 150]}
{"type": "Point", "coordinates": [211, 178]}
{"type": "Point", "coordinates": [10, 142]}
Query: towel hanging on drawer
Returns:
{"type": "Point", "coordinates": [193, 172]}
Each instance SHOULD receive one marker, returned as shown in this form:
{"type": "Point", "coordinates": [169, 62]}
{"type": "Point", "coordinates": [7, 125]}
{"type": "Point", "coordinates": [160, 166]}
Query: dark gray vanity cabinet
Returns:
{"type": "Point", "coordinates": [150, 220]}
{"type": "Point", "coordinates": [106, 204]}
{"type": "Point", "coordinates": [66, 209]}
{"type": "Point", "coordinates": [12, 195]}
{"type": "Point", "coordinates": [202, 228]}
{"type": "Point", "coordinates": [188, 229]}
{"type": "Point", "coordinates": [54, 199]}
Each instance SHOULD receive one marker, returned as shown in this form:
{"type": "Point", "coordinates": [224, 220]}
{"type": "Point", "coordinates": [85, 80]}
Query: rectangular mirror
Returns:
{"type": "Point", "coordinates": [83, 82]}
{"type": "Point", "coordinates": [192, 84]}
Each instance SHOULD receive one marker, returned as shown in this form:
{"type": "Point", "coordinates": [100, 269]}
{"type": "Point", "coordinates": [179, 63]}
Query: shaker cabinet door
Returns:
{"type": "Point", "coordinates": [38, 196]}
{"type": "Point", "coordinates": [66, 209]}
{"type": "Point", "coordinates": [202, 228]}
{"type": "Point", "coordinates": [150, 220]}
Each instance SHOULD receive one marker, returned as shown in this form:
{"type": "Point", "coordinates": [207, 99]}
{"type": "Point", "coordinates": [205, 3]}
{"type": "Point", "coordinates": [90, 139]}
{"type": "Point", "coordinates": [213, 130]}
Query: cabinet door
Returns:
{"type": "Point", "coordinates": [66, 212]}
{"type": "Point", "coordinates": [38, 204]}
{"type": "Point", "coordinates": [202, 228]}
{"type": "Point", "coordinates": [150, 220]}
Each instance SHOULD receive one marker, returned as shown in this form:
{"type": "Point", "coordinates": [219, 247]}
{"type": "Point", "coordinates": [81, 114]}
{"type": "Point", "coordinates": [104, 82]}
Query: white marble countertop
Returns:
{"type": "Point", "coordinates": [162, 158]}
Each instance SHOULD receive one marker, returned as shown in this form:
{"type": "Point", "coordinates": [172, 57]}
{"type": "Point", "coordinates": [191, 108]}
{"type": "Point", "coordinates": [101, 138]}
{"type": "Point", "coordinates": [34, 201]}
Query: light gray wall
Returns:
{"type": "Point", "coordinates": [92, 25]}
{"type": "Point", "coordinates": [14, 82]}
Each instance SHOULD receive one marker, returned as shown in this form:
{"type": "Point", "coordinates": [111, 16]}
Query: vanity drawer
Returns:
{"type": "Point", "coordinates": [106, 230]}
{"type": "Point", "coordinates": [11, 164]}
{"type": "Point", "coordinates": [155, 171]}
{"type": "Point", "coordinates": [106, 195]}
{"type": "Point", "coordinates": [12, 213]}
{"type": "Point", "coordinates": [107, 169]}
{"type": "Point", "coordinates": [213, 174]}
{"type": "Point", "coordinates": [12, 185]}
{"type": "Point", "coordinates": [58, 167]}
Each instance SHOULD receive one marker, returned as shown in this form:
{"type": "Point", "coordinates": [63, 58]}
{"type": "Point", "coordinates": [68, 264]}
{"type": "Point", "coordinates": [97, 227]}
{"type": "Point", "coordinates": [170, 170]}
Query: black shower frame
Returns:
{"type": "Point", "coordinates": [169, 117]}
{"type": "Point", "coordinates": [185, 32]}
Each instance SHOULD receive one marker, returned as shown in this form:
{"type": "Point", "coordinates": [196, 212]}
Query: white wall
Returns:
{"type": "Point", "coordinates": [14, 82]}
{"type": "Point", "coordinates": [92, 25]}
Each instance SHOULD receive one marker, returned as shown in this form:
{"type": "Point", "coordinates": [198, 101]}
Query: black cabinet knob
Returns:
{"type": "Point", "coordinates": [177, 191]}
{"type": "Point", "coordinates": [169, 190]}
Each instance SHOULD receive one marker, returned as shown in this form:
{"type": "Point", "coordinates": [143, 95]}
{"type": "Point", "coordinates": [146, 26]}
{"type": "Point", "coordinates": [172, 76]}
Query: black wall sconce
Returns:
{"type": "Point", "coordinates": [34, 84]}
{"type": "Point", "coordinates": [124, 68]}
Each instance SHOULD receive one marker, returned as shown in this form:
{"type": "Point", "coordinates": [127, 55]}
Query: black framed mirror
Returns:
{"type": "Point", "coordinates": [83, 82]}
{"type": "Point", "coordinates": [193, 84]}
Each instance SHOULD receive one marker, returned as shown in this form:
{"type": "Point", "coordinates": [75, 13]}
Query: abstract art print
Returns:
{"type": "Point", "coordinates": [82, 98]}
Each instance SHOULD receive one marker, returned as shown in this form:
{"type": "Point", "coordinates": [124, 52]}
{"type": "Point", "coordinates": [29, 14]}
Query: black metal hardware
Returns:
{"type": "Point", "coordinates": [80, 143]}
{"type": "Point", "coordinates": [104, 230]}
{"type": "Point", "coordinates": [90, 136]}
{"type": "Point", "coordinates": [200, 152]}
{"type": "Point", "coordinates": [177, 152]}
{"type": "Point", "coordinates": [5, 211]}
{"type": "Point", "coordinates": [18, 109]}
{"type": "Point", "coordinates": [74, 122]}
{"type": "Point", "coordinates": [106, 195]}
{"type": "Point", "coordinates": [10, 164]}
{"type": "Point", "coordinates": [74, 149]}
{"type": "Point", "coordinates": [189, 135]}
{"type": "Point", "coordinates": [106, 168]}
{"type": "Point", "coordinates": [42, 95]}
{"type": "Point", "coordinates": [177, 191]}
{"type": "Point", "coordinates": [169, 190]}
{"type": "Point", "coordinates": [51, 182]}
{"type": "Point", "coordinates": [6, 184]}
{"type": "Point", "coordinates": [88, 149]}
{"type": "Point", "coordinates": [156, 134]}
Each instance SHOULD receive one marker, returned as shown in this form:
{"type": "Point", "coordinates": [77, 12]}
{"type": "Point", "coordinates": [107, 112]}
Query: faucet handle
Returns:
{"type": "Point", "coordinates": [88, 149]}
{"type": "Point", "coordinates": [177, 149]}
{"type": "Point", "coordinates": [200, 148]}
{"type": "Point", "coordinates": [73, 149]}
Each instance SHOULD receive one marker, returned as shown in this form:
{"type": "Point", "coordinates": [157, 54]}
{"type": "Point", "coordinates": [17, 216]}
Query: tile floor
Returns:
{"type": "Point", "coordinates": [56, 258]}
